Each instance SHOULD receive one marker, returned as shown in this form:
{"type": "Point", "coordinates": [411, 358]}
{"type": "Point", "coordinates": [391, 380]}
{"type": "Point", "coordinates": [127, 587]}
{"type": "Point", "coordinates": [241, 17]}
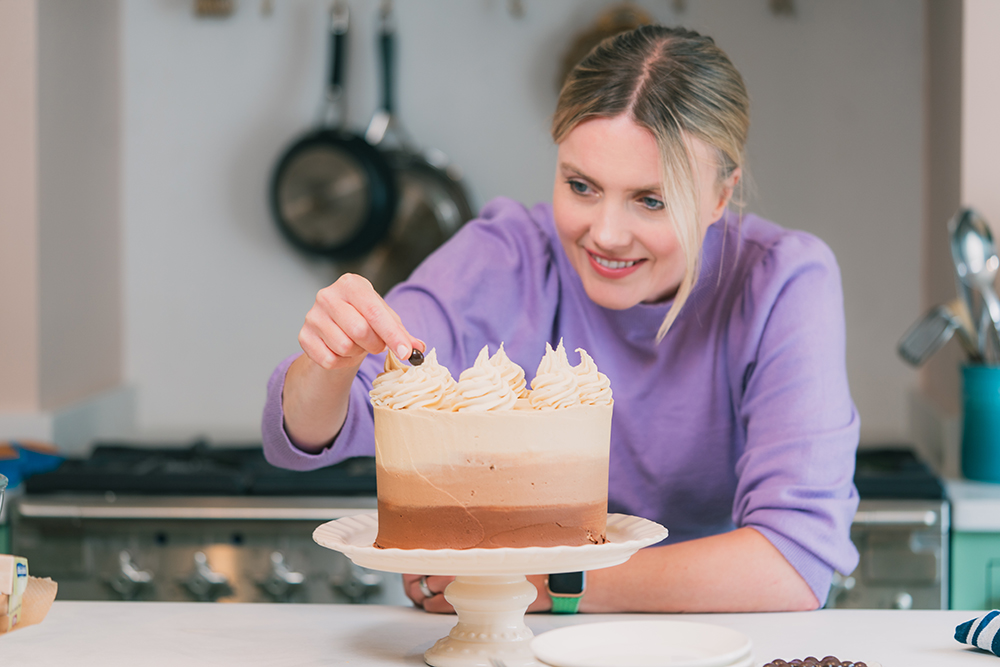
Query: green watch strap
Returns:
{"type": "Point", "coordinates": [565, 605]}
{"type": "Point", "coordinates": [566, 589]}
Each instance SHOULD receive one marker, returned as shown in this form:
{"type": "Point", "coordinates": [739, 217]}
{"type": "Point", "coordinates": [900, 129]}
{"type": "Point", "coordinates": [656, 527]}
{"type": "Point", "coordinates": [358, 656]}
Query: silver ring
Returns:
{"type": "Point", "coordinates": [422, 584]}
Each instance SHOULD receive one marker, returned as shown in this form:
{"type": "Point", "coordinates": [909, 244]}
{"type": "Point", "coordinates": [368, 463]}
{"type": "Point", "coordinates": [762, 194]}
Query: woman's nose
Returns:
{"type": "Point", "coordinates": [610, 229]}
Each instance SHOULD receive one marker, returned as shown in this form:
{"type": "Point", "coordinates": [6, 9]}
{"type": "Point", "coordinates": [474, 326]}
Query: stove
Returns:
{"type": "Point", "coordinates": [195, 522]}
{"type": "Point", "coordinates": [218, 523]}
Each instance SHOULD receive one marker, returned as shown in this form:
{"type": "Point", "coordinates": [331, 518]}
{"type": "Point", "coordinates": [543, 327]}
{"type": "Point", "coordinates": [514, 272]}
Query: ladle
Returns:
{"type": "Point", "coordinates": [977, 264]}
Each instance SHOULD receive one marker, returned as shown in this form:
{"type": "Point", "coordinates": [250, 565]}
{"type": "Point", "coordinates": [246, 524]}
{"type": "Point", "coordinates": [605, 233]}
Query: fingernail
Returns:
{"type": "Point", "coordinates": [403, 351]}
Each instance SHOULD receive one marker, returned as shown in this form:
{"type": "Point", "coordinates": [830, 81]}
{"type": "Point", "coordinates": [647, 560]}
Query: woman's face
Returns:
{"type": "Point", "coordinates": [610, 215]}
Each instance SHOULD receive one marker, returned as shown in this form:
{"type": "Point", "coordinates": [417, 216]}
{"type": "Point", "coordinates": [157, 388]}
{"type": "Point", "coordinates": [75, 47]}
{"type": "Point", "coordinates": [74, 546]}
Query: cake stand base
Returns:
{"type": "Point", "coordinates": [491, 591]}
{"type": "Point", "coordinates": [490, 624]}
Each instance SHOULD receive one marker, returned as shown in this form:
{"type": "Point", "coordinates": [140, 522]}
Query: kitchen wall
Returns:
{"type": "Point", "coordinates": [962, 141]}
{"type": "Point", "coordinates": [60, 270]}
{"type": "Point", "coordinates": [213, 297]}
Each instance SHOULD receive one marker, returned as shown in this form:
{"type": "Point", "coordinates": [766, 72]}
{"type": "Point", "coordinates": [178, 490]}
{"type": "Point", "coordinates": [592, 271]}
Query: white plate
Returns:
{"type": "Point", "coordinates": [354, 535]}
{"type": "Point", "coordinates": [643, 644]}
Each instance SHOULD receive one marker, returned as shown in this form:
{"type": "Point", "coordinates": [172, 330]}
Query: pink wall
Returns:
{"type": "Point", "coordinates": [981, 110]}
{"type": "Point", "coordinates": [19, 387]}
{"type": "Point", "coordinates": [60, 248]}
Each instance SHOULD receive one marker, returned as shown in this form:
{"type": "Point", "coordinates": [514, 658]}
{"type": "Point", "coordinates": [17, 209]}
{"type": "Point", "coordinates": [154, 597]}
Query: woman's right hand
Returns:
{"type": "Point", "coordinates": [349, 321]}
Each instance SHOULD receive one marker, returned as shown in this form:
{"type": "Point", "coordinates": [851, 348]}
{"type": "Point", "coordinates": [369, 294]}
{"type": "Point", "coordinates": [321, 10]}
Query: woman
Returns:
{"type": "Point", "coordinates": [722, 334]}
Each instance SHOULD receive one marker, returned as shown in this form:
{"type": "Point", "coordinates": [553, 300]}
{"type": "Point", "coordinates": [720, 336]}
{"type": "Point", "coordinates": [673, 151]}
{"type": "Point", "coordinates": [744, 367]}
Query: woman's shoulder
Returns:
{"type": "Point", "coordinates": [767, 245]}
{"type": "Point", "coordinates": [509, 217]}
{"type": "Point", "coordinates": [505, 236]}
{"type": "Point", "coordinates": [776, 264]}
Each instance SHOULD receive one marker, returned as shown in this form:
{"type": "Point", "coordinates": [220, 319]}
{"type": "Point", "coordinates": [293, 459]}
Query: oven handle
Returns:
{"type": "Point", "coordinates": [896, 517]}
{"type": "Point", "coordinates": [46, 511]}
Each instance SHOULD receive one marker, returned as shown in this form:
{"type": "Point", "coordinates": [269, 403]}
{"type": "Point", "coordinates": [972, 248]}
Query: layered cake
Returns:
{"type": "Point", "coordinates": [485, 462]}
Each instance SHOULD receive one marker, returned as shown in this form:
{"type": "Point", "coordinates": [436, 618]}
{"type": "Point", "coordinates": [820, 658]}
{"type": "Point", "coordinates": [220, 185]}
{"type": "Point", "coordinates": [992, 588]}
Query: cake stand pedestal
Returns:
{"type": "Point", "coordinates": [490, 592]}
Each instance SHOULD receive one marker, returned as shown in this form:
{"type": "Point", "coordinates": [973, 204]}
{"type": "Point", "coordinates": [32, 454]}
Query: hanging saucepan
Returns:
{"type": "Point", "coordinates": [332, 193]}
{"type": "Point", "coordinates": [433, 202]}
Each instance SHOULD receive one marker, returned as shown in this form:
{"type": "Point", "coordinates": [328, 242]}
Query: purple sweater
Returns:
{"type": "Point", "coordinates": [741, 416]}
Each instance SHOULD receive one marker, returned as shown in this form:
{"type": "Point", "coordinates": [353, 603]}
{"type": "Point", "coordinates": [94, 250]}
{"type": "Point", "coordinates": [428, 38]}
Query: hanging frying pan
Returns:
{"type": "Point", "coordinates": [332, 193]}
{"type": "Point", "coordinates": [433, 202]}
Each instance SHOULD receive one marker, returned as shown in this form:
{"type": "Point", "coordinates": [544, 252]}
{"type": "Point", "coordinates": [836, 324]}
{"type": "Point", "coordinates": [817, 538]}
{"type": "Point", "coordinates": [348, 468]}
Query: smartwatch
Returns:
{"type": "Point", "coordinates": [566, 589]}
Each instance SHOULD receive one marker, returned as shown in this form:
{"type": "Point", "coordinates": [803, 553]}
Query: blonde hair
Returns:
{"type": "Point", "coordinates": [677, 84]}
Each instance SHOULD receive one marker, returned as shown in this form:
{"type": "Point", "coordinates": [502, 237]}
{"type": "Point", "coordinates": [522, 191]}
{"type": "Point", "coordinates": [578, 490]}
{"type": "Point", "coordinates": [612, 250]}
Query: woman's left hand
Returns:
{"type": "Point", "coordinates": [417, 588]}
{"type": "Point", "coordinates": [427, 592]}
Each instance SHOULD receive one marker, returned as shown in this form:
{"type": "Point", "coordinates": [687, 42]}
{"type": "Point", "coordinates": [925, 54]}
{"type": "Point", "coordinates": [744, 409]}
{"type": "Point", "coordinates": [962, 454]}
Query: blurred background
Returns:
{"type": "Point", "coordinates": [146, 291]}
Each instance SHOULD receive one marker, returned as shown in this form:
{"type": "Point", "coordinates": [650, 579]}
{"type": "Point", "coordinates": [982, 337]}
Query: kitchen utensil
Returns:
{"type": "Point", "coordinates": [433, 202]}
{"type": "Point", "coordinates": [934, 329]}
{"type": "Point", "coordinates": [965, 328]}
{"type": "Point", "coordinates": [977, 264]}
{"type": "Point", "coordinates": [332, 193]}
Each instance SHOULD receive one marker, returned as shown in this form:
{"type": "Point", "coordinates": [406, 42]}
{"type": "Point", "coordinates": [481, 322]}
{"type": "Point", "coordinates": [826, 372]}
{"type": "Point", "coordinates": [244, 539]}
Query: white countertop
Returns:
{"type": "Point", "coordinates": [112, 634]}
{"type": "Point", "coordinates": [975, 506]}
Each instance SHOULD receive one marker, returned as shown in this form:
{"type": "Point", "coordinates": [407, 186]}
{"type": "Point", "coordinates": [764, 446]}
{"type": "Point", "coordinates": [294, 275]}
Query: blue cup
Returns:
{"type": "Point", "coordinates": [981, 423]}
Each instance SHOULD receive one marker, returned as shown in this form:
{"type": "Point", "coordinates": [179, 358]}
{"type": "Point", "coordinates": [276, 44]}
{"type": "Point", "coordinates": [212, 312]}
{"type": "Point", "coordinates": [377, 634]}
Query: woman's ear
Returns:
{"type": "Point", "coordinates": [726, 189]}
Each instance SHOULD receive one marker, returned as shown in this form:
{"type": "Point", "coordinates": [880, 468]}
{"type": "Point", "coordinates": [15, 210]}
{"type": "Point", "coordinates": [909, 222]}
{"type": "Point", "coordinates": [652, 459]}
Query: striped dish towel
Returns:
{"type": "Point", "coordinates": [982, 632]}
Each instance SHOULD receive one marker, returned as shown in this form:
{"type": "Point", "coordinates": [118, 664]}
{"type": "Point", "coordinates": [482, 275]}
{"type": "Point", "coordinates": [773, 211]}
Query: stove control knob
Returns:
{"type": "Point", "coordinates": [205, 584]}
{"type": "Point", "coordinates": [902, 601]}
{"type": "Point", "coordinates": [281, 583]}
{"type": "Point", "coordinates": [129, 580]}
{"type": "Point", "coordinates": [358, 583]}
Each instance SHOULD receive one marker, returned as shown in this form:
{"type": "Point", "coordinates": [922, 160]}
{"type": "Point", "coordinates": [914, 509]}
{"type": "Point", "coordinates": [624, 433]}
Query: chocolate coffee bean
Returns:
{"type": "Point", "coordinates": [416, 358]}
{"type": "Point", "coordinates": [828, 661]}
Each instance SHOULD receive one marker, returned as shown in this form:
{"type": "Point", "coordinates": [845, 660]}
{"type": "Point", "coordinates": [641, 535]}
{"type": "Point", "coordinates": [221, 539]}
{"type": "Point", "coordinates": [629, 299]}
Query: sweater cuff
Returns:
{"type": "Point", "coordinates": [817, 573]}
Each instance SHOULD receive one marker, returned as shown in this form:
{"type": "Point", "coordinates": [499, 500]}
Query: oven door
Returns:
{"type": "Point", "coordinates": [903, 546]}
{"type": "Point", "coordinates": [194, 549]}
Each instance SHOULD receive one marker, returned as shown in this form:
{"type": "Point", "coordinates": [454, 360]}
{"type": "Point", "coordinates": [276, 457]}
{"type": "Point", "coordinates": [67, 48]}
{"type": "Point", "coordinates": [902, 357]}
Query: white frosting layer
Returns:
{"type": "Point", "coordinates": [512, 374]}
{"type": "Point", "coordinates": [555, 384]}
{"type": "Point", "coordinates": [492, 384]}
{"type": "Point", "coordinates": [400, 387]}
{"type": "Point", "coordinates": [416, 438]}
{"type": "Point", "coordinates": [595, 387]}
{"type": "Point", "coordinates": [482, 387]}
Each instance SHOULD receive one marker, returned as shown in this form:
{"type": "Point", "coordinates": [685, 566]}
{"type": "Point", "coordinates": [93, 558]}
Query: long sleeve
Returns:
{"type": "Point", "coordinates": [789, 380]}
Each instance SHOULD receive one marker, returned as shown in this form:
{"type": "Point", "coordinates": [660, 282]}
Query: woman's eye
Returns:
{"type": "Point", "coordinates": [652, 203]}
{"type": "Point", "coordinates": [579, 187]}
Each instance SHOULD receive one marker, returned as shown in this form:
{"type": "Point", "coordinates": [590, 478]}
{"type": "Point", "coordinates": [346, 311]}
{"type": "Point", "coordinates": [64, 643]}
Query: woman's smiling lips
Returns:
{"type": "Point", "coordinates": [613, 268]}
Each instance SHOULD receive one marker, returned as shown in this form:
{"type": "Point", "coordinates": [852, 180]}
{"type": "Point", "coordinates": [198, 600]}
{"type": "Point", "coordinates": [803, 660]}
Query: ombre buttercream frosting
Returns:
{"type": "Point", "coordinates": [484, 462]}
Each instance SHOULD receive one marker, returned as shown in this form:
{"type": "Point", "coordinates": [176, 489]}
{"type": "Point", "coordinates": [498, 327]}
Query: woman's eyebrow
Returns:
{"type": "Point", "coordinates": [565, 167]}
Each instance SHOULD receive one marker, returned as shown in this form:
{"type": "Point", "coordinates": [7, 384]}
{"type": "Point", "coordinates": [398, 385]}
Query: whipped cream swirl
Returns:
{"type": "Point", "coordinates": [483, 387]}
{"type": "Point", "coordinates": [512, 374]}
{"type": "Point", "coordinates": [428, 385]}
{"type": "Point", "coordinates": [595, 387]}
{"type": "Point", "coordinates": [555, 385]}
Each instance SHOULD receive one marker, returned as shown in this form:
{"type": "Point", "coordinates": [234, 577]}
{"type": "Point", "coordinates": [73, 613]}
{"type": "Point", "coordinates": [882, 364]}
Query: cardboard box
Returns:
{"type": "Point", "coordinates": [13, 582]}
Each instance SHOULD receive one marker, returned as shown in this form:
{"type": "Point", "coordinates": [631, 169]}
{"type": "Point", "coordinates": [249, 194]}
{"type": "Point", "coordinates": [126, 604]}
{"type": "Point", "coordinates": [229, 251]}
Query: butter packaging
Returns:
{"type": "Point", "coordinates": [13, 583]}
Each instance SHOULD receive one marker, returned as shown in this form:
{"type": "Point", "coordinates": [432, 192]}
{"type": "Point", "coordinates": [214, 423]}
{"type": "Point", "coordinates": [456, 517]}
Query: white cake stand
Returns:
{"type": "Point", "coordinates": [490, 592]}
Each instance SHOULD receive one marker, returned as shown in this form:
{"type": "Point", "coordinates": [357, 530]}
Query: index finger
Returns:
{"type": "Point", "coordinates": [383, 320]}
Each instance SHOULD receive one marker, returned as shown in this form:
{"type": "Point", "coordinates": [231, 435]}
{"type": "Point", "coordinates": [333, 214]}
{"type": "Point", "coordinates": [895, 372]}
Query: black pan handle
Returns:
{"type": "Point", "coordinates": [339, 20]}
{"type": "Point", "coordinates": [387, 40]}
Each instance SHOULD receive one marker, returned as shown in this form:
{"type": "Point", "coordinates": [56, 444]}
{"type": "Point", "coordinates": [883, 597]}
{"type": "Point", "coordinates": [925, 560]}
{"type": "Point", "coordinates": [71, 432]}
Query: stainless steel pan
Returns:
{"type": "Point", "coordinates": [332, 193]}
{"type": "Point", "coordinates": [433, 200]}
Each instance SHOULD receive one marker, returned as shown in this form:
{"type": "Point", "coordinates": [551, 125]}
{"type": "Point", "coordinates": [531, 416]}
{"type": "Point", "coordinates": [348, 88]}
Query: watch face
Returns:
{"type": "Point", "coordinates": [566, 583]}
